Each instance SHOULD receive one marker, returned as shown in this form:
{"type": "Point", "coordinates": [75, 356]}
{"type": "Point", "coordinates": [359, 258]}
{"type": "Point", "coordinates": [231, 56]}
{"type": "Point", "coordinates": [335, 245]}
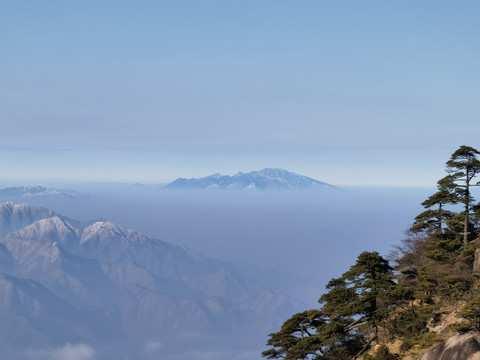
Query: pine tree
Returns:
{"type": "Point", "coordinates": [463, 166]}
{"type": "Point", "coordinates": [361, 297]}
{"type": "Point", "coordinates": [293, 340]}
{"type": "Point", "coordinates": [433, 220]}
{"type": "Point", "coordinates": [438, 224]}
{"type": "Point", "coordinates": [445, 230]}
{"type": "Point", "coordinates": [312, 335]}
{"type": "Point", "coordinates": [372, 278]}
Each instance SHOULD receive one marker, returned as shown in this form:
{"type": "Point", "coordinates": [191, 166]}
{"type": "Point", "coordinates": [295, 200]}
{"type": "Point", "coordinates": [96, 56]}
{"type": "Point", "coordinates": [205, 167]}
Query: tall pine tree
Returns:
{"type": "Point", "coordinates": [463, 166]}
{"type": "Point", "coordinates": [361, 298]}
{"type": "Point", "coordinates": [435, 217]}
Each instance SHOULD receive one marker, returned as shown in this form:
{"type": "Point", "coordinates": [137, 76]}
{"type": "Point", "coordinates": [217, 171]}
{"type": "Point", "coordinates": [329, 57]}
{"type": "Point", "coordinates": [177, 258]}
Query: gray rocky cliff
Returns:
{"type": "Point", "coordinates": [458, 347]}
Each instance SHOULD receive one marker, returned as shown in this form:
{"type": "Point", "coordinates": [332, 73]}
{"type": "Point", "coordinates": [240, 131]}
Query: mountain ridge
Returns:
{"type": "Point", "coordinates": [29, 192]}
{"type": "Point", "coordinates": [143, 287]}
{"type": "Point", "coordinates": [265, 179]}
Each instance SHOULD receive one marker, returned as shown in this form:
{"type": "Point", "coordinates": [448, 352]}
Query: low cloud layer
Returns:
{"type": "Point", "coordinates": [66, 352]}
{"type": "Point", "coordinates": [73, 352]}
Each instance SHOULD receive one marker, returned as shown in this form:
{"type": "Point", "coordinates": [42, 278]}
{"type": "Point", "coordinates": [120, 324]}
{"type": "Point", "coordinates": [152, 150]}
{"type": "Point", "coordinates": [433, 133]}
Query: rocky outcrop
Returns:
{"type": "Point", "coordinates": [476, 263]}
{"type": "Point", "coordinates": [458, 347]}
{"type": "Point", "coordinates": [447, 318]}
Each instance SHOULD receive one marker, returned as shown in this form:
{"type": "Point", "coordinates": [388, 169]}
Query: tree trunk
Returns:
{"type": "Point", "coordinates": [467, 213]}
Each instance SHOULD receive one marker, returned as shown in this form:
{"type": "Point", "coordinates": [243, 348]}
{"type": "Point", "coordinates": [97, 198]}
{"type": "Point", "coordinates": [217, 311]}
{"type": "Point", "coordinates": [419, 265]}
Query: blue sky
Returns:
{"type": "Point", "coordinates": [349, 92]}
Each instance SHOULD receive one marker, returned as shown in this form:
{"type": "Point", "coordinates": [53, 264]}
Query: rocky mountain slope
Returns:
{"type": "Point", "coordinates": [458, 347]}
{"type": "Point", "coordinates": [98, 283]}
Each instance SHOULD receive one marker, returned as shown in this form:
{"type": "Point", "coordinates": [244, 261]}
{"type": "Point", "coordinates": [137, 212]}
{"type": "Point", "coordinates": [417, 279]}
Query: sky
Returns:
{"type": "Point", "coordinates": [348, 92]}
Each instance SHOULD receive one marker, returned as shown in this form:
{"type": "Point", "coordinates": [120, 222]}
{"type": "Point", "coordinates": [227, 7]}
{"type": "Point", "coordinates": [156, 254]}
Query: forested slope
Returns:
{"type": "Point", "coordinates": [399, 309]}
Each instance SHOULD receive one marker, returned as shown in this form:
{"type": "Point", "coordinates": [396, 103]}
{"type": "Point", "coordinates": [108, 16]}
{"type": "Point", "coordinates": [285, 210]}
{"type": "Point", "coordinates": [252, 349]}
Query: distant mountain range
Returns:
{"type": "Point", "coordinates": [31, 193]}
{"type": "Point", "coordinates": [116, 290]}
{"type": "Point", "coordinates": [266, 179]}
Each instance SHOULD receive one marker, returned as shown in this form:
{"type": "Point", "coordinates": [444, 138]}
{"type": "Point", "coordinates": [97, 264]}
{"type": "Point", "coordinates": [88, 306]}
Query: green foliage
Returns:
{"type": "Point", "coordinates": [433, 220]}
{"type": "Point", "coordinates": [448, 229]}
{"type": "Point", "coordinates": [464, 163]}
{"type": "Point", "coordinates": [436, 260]}
{"type": "Point", "coordinates": [445, 245]}
{"type": "Point", "coordinates": [471, 312]}
{"type": "Point", "coordinates": [461, 327]}
{"type": "Point", "coordinates": [311, 335]}
{"type": "Point", "coordinates": [450, 281]}
{"type": "Point", "coordinates": [383, 353]}
{"type": "Point", "coordinates": [341, 300]}
{"type": "Point", "coordinates": [291, 339]}
{"type": "Point", "coordinates": [422, 341]}
{"type": "Point", "coordinates": [362, 295]}
{"type": "Point", "coordinates": [410, 322]}
{"type": "Point", "coordinates": [463, 166]}
{"type": "Point", "coordinates": [365, 290]}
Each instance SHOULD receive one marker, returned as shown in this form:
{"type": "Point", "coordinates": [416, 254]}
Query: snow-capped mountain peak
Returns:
{"type": "Point", "coordinates": [50, 228]}
{"type": "Point", "coordinates": [40, 195]}
{"type": "Point", "coordinates": [14, 217]}
{"type": "Point", "coordinates": [30, 189]}
{"type": "Point", "coordinates": [266, 179]}
{"type": "Point", "coordinates": [106, 277]}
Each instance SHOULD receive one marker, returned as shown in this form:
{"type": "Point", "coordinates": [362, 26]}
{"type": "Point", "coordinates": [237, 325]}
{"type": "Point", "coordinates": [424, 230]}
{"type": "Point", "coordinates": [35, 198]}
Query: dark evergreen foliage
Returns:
{"type": "Point", "coordinates": [463, 166]}
{"type": "Point", "coordinates": [383, 353]}
{"type": "Point", "coordinates": [355, 304]}
{"type": "Point", "coordinates": [312, 335]}
{"type": "Point", "coordinates": [365, 290]}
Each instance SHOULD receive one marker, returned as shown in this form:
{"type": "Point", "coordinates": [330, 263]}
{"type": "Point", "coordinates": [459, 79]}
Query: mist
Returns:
{"type": "Point", "coordinates": [313, 234]}
{"type": "Point", "coordinates": [277, 249]}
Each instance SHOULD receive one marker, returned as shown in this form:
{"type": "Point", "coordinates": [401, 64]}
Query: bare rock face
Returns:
{"type": "Point", "coordinates": [458, 347]}
{"type": "Point", "coordinates": [448, 318]}
{"type": "Point", "coordinates": [476, 263]}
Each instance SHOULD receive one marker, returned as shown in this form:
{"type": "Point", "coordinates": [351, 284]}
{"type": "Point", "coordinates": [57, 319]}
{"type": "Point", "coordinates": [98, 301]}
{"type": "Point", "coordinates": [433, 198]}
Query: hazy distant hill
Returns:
{"type": "Point", "coordinates": [29, 192]}
{"type": "Point", "coordinates": [266, 179]}
{"type": "Point", "coordinates": [48, 197]}
{"type": "Point", "coordinates": [113, 288]}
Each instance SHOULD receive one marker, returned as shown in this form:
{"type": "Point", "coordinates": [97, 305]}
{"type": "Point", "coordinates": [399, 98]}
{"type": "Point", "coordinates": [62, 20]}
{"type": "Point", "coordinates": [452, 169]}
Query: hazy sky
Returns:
{"type": "Point", "coordinates": [348, 92]}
